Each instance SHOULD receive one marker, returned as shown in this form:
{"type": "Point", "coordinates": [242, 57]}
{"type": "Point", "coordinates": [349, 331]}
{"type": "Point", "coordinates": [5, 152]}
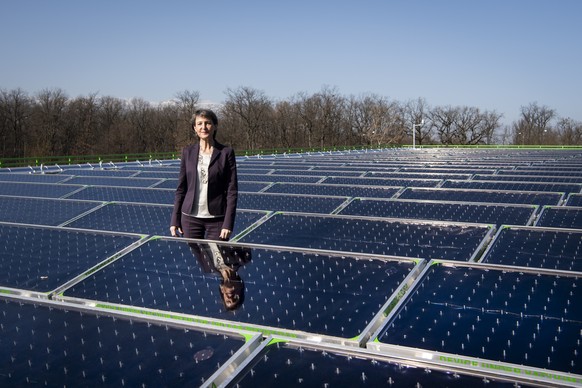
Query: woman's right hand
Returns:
{"type": "Point", "coordinates": [176, 231]}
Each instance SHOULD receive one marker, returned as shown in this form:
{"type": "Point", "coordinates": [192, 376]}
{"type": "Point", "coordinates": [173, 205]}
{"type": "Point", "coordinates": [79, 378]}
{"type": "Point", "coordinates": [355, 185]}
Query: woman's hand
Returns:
{"type": "Point", "coordinates": [176, 231]}
{"type": "Point", "coordinates": [225, 234]}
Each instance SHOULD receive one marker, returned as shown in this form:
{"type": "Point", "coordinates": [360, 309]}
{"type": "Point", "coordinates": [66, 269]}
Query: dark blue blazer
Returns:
{"type": "Point", "coordinates": [222, 184]}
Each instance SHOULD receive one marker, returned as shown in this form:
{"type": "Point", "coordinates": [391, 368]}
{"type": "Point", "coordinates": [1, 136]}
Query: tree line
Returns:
{"type": "Point", "coordinates": [50, 123]}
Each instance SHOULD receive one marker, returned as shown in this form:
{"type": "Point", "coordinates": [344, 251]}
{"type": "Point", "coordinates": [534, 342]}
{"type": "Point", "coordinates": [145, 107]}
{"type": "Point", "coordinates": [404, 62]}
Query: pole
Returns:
{"type": "Point", "coordinates": [413, 136]}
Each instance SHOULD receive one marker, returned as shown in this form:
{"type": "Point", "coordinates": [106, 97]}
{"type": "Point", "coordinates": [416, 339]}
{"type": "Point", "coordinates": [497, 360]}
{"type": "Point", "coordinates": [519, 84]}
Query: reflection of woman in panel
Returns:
{"type": "Point", "coordinates": [226, 261]}
{"type": "Point", "coordinates": [207, 191]}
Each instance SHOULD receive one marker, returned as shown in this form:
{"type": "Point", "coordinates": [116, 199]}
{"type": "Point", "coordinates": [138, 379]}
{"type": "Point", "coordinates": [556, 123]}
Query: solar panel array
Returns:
{"type": "Point", "coordinates": [443, 267]}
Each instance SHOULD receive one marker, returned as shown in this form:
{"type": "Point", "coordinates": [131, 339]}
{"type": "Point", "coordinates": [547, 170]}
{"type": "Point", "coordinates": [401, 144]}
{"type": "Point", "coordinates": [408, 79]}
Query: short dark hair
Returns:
{"type": "Point", "coordinates": [207, 113]}
{"type": "Point", "coordinates": [241, 294]}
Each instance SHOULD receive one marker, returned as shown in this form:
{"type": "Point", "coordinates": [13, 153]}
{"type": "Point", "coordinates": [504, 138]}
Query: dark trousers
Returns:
{"type": "Point", "coordinates": [207, 228]}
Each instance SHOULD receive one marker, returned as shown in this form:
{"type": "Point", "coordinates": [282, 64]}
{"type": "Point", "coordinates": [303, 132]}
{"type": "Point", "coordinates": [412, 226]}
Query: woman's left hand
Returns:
{"type": "Point", "coordinates": [225, 234]}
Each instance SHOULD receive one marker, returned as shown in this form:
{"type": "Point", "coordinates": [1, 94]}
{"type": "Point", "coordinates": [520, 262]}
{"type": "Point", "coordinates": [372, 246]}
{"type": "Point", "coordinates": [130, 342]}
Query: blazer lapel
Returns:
{"type": "Point", "coordinates": [215, 153]}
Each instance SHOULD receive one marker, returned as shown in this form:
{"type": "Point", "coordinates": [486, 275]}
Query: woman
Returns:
{"type": "Point", "coordinates": [206, 196]}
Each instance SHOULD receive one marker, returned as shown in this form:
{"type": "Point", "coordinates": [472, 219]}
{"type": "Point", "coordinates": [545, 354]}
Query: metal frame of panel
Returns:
{"type": "Point", "coordinates": [358, 341]}
{"type": "Point", "coordinates": [250, 340]}
{"type": "Point", "coordinates": [373, 359]}
{"type": "Point", "coordinates": [470, 364]}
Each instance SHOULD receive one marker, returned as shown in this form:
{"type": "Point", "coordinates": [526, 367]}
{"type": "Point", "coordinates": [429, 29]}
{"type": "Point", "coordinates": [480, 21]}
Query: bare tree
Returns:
{"type": "Point", "coordinates": [534, 125]}
{"type": "Point", "coordinates": [464, 125]}
{"type": "Point", "coordinates": [473, 127]}
{"type": "Point", "coordinates": [285, 124]}
{"type": "Point", "coordinates": [187, 104]}
{"type": "Point", "coordinates": [415, 112]}
{"type": "Point", "coordinates": [139, 116]}
{"type": "Point", "coordinates": [443, 120]}
{"type": "Point", "coordinates": [248, 111]}
{"type": "Point", "coordinates": [569, 131]}
{"type": "Point", "coordinates": [377, 120]}
{"type": "Point", "coordinates": [50, 120]}
{"type": "Point", "coordinates": [81, 132]}
{"type": "Point", "coordinates": [15, 113]}
{"type": "Point", "coordinates": [112, 126]}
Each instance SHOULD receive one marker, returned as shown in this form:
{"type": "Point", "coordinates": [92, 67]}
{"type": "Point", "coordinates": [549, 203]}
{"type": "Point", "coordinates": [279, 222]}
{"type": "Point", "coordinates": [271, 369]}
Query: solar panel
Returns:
{"type": "Point", "coordinates": [112, 181]}
{"type": "Point", "coordinates": [278, 178]}
{"type": "Point", "coordinates": [442, 211]}
{"type": "Point", "coordinates": [333, 190]}
{"type": "Point", "coordinates": [100, 172]}
{"type": "Point", "coordinates": [294, 292]}
{"type": "Point", "coordinates": [279, 362]}
{"type": "Point", "coordinates": [145, 219]}
{"type": "Point", "coordinates": [319, 173]}
{"type": "Point", "coordinates": [159, 174]}
{"type": "Point", "coordinates": [561, 217]}
{"type": "Point", "coordinates": [486, 196]}
{"type": "Point", "coordinates": [166, 184]}
{"type": "Point", "coordinates": [416, 175]}
{"type": "Point", "coordinates": [125, 194]}
{"type": "Point", "coordinates": [529, 178]}
{"type": "Point", "coordinates": [289, 202]}
{"type": "Point", "coordinates": [372, 235]}
{"type": "Point", "coordinates": [504, 314]}
{"type": "Point", "coordinates": [522, 171]}
{"type": "Point", "coordinates": [131, 218]}
{"type": "Point", "coordinates": [43, 190]}
{"type": "Point", "coordinates": [254, 170]}
{"type": "Point", "coordinates": [520, 186]}
{"type": "Point", "coordinates": [320, 287]}
{"type": "Point", "coordinates": [574, 200]}
{"type": "Point", "coordinates": [252, 187]}
{"type": "Point", "coordinates": [41, 259]}
{"type": "Point", "coordinates": [449, 170]}
{"type": "Point", "coordinates": [41, 211]}
{"type": "Point", "coordinates": [551, 248]}
{"type": "Point", "coordinates": [382, 182]}
{"type": "Point", "coordinates": [33, 178]}
{"type": "Point", "coordinates": [55, 344]}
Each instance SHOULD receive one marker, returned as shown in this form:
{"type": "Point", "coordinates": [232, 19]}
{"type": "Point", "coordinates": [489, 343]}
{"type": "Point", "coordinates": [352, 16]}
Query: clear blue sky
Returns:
{"type": "Point", "coordinates": [492, 54]}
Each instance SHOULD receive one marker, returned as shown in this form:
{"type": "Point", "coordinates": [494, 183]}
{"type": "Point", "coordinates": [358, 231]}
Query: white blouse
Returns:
{"type": "Point", "coordinates": [201, 208]}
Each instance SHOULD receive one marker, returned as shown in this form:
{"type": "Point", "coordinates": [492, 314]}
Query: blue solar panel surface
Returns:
{"type": "Point", "coordinates": [330, 249]}
{"type": "Point", "coordinates": [42, 211]}
{"type": "Point", "coordinates": [442, 211]}
{"type": "Point", "coordinates": [509, 316]}
{"type": "Point", "coordinates": [487, 196]}
{"type": "Point", "coordinates": [561, 217]}
{"type": "Point", "coordinates": [48, 345]}
{"type": "Point", "coordinates": [371, 235]}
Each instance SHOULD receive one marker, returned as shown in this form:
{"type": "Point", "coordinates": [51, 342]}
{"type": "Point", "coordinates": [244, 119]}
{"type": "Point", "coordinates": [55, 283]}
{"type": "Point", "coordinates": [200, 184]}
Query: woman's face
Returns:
{"type": "Point", "coordinates": [204, 127]}
{"type": "Point", "coordinates": [231, 290]}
